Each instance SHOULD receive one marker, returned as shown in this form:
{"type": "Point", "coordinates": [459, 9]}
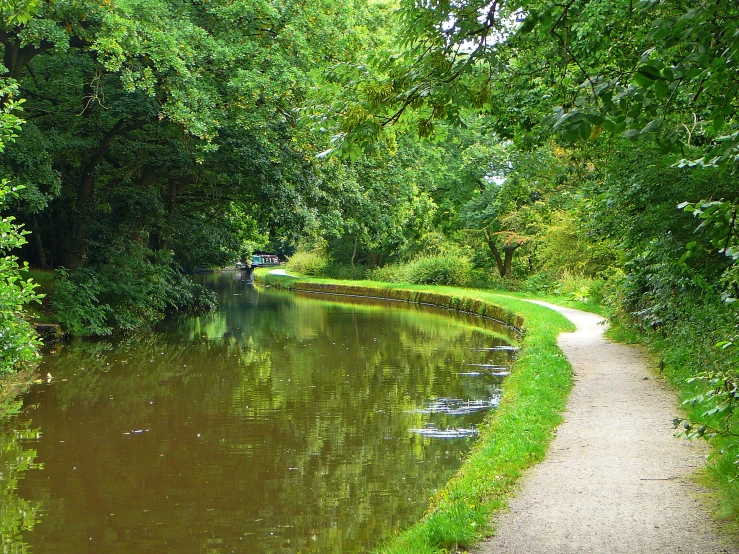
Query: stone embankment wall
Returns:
{"type": "Point", "coordinates": [453, 302]}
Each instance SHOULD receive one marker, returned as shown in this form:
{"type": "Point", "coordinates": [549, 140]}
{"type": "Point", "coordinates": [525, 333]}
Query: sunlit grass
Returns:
{"type": "Point", "coordinates": [513, 438]}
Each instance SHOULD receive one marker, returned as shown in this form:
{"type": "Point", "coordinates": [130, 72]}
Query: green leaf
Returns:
{"type": "Point", "coordinates": [643, 80]}
{"type": "Point", "coordinates": [660, 90]}
{"type": "Point", "coordinates": [528, 25]}
{"type": "Point", "coordinates": [650, 72]}
{"type": "Point", "coordinates": [652, 126]}
{"type": "Point", "coordinates": [718, 122]}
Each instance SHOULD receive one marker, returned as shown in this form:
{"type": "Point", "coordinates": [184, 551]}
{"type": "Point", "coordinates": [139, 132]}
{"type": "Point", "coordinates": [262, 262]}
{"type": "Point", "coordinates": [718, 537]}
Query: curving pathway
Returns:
{"type": "Point", "coordinates": [615, 479]}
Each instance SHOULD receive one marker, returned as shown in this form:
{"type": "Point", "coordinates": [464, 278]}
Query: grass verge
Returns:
{"type": "Point", "coordinates": [513, 438]}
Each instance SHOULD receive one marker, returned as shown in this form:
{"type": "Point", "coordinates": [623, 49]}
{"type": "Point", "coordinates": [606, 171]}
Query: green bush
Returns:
{"type": "Point", "coordinates": [77, 304]}
{"type": "Point", "coordinates": [18, 342]}
{"type": "Point", "coordinates": [569, 285]}
{"type": "Point", "coordinates": [312, 263]}
{"type": "Point", "coordinates": [484, 278]}
{"type": "Point", "coordinates": [441, 270]}
{"type": "Point", "coordinates": [574, 286]}
{"type": "Point", "coordinates": [392, 273]}
{"type": "Point", "coordinates": [538, 283]}
{"type": "Point", "coordinates": [428, 270]}
{"type": "Point", "coordinates": [334, 270]}
{"type": "Point", "coordinates": [131, 290]}
{"type": "Point", "coordinates": [596, 291]}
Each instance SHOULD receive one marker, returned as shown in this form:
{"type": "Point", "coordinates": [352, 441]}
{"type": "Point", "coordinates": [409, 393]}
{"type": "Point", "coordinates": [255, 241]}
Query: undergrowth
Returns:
{"type": "Point", "coordinates": [447, 269]}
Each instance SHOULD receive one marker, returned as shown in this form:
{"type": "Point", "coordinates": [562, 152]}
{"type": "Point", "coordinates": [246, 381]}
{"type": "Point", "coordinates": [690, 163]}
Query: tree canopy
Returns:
{"type": "Point", "coordinates": [165, 136]}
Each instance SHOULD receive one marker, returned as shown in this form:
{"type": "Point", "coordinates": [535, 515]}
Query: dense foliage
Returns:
{"type": "Point", "coordinates": [18, 341]}
{"type": "Point", "coordinates": [162, 137]}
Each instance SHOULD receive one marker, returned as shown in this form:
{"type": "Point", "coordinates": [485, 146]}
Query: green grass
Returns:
{"type": "Point", "coordinates": [513, 438]}
{"type": "Point", "coordinates": [562, 300]}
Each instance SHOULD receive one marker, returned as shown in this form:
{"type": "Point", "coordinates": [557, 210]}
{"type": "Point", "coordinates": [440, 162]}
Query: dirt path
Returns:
{"type": "Point", "coordinates": [280, 272]}
{"type": "Point", "coordinates": [615, 479]}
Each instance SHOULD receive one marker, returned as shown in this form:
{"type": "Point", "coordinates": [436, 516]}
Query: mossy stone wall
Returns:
{"type": "Point", "coordinates": [450, 301]}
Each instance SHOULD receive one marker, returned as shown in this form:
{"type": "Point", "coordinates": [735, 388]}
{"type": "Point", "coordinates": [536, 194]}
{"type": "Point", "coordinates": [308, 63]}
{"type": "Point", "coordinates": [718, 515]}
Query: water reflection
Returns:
{"type": "Point", "coordinates": [17, 514]}
{"type": "Point", "coordinates": [278, 424]}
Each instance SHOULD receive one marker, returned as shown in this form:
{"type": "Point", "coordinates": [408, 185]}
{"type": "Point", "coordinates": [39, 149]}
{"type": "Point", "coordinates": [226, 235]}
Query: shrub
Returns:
{"type": "Point", "coordinates": [130, 290]}
{"type": "Point", "coordinates": [392, 273]}
{"type": "Point", "coordinates": [441, 270]}
{"type": "Point", "coordinates": [77, 304]}
{"type": "Point", "coordinates": [18, 342]}
{"type": "Point", "coordinates": [428, 270]}
{"type": "Point", "coordinates": [313, 263]}
{"type": "Point", "coordinates": [596, 291]}
{"type": "Point", "coordinates": [572, 286]}
{"type": "Point", "coordinates": [345, 271]}
{"type": "Point", "coordinates": [483, 278]}
{"type": "Point", "coordinates": [538, 283]}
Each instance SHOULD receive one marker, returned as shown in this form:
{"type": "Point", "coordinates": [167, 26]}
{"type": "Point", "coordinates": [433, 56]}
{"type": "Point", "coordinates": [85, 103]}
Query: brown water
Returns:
{"type": "Point", "coordinates": [278, 424]}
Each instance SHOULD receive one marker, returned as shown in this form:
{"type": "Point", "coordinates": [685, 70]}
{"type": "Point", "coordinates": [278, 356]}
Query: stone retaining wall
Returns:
{"type": "Point", "coordinates": [459, 303]}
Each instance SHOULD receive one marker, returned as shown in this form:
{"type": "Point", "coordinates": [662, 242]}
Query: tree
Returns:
{"type": "Point", "coordinates": [18, 341]}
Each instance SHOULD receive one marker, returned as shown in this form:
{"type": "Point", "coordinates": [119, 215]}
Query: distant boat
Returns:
{"type": "Point", "coordinates": [264, 260]}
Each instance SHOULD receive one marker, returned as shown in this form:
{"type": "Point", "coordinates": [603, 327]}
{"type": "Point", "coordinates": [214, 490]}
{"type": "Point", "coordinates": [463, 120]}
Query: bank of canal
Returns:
{"type": "Point", "coordinates": [278, 424]}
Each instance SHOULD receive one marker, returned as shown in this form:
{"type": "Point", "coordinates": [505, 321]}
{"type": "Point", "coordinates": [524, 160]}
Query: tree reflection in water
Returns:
{"type": "Point", "coordinates": [17, 514]}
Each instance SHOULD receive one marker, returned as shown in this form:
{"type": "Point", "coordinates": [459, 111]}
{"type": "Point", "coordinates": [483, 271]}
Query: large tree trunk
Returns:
{"type": "Point", "coordinates": [508, 253]}
{"type": "Point", "coordinates": [17, 58]}
{"type": "Point", "coordinates": [87, 178]}
{"type": "Point", "coordinates": [38, 243]}
{"type": "Point", "coordinates": [495, 252]}
{"type": "Point", "coordinates": [78, 244]}
{"type": "Point", "coordinates": [505, 262]}
{"type": "Point", "coordinates": [171, 199]}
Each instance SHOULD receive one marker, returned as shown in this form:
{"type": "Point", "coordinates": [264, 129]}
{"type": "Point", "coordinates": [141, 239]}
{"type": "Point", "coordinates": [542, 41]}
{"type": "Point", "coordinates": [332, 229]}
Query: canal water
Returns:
{"type": "Point", "coordinates": [280, 423]}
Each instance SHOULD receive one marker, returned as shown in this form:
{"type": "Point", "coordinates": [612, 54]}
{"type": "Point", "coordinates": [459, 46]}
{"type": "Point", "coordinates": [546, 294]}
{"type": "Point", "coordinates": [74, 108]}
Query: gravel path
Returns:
{"type": "Point", "coordinates": [615, 479]}
{"type": "Point", "coordinates": [280, 272]}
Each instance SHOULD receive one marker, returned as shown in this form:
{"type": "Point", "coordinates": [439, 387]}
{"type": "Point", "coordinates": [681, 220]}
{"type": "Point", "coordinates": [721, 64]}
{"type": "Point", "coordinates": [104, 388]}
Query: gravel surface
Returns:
{"type": "Point", "coordinates": [615, 479]}
{"type": "Point", "coordinates": [280, 272]}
